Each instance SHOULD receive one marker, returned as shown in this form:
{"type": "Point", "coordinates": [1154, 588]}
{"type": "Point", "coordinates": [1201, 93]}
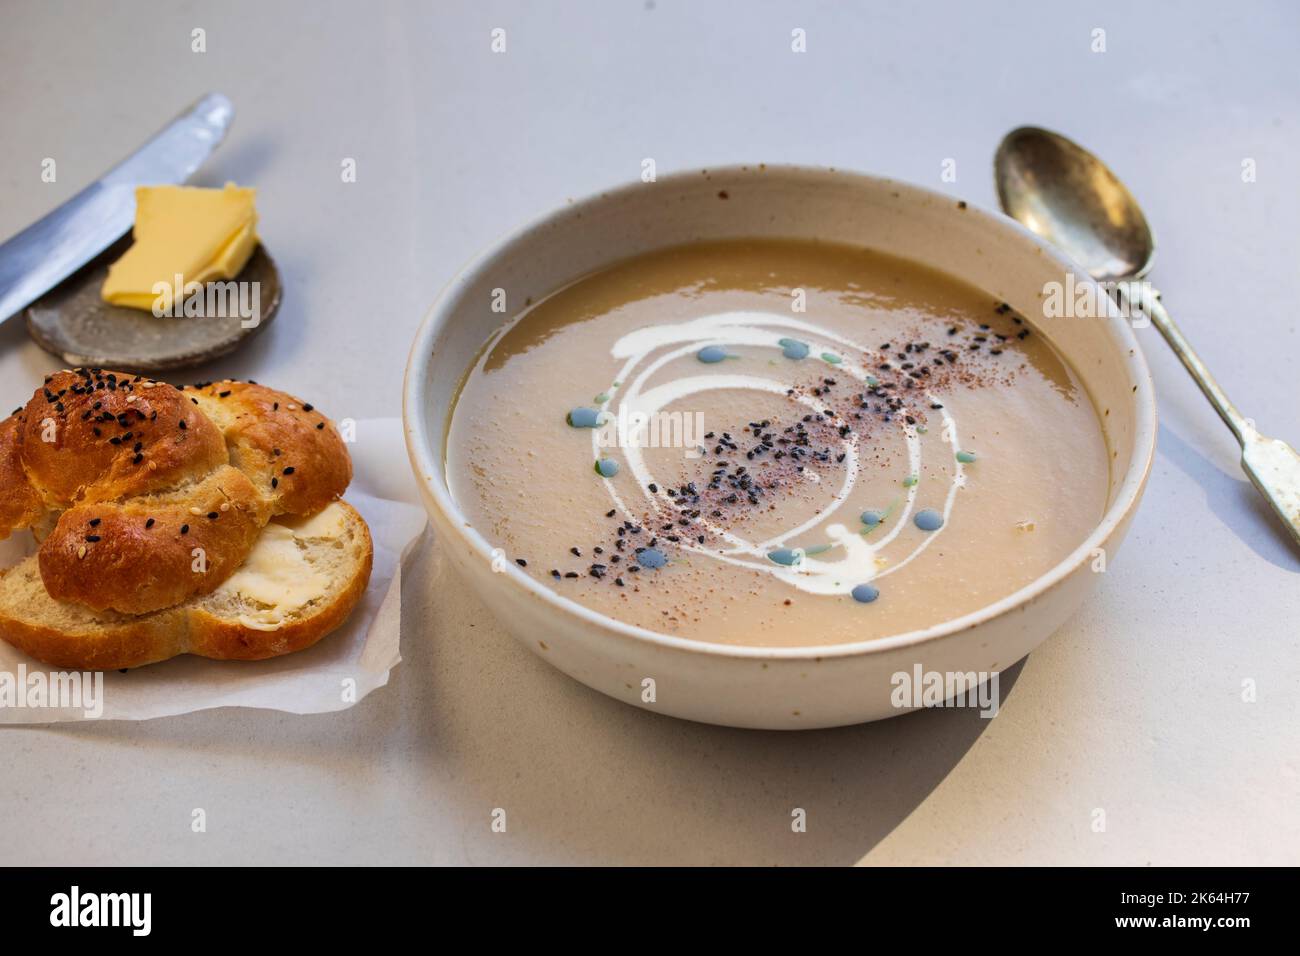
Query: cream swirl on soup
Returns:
{"type": "Point", "coordinates": [646, 351]}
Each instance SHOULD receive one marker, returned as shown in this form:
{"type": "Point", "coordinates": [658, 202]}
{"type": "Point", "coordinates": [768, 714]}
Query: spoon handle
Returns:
{"type": "Point", "coordinates": [1149, 301]}
{"type": "Point", "coordinates": [1271, 464]}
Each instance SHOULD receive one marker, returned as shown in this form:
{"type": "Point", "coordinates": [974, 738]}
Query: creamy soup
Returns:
{"type": "Point", "coordinates": [776, 443]}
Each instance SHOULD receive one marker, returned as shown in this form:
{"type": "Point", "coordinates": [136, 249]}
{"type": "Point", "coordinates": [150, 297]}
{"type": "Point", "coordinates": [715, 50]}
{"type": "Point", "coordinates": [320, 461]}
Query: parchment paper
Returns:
{"type": "Point", "coordinates": [333, 675]}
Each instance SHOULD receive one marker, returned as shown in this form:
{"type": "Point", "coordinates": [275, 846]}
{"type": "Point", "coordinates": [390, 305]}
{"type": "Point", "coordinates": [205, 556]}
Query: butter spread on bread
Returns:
{"type": "Point", "coordinates": [277, 577]}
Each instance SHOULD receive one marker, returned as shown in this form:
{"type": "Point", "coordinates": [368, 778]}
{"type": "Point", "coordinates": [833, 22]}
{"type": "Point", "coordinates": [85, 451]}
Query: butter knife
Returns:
{"type": "Point", "coordinates": [51, 249]}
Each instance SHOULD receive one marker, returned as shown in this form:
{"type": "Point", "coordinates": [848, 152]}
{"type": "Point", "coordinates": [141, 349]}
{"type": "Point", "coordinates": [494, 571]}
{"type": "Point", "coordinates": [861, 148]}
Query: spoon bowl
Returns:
{"type": "Point", "coordinates": [1063, 193]}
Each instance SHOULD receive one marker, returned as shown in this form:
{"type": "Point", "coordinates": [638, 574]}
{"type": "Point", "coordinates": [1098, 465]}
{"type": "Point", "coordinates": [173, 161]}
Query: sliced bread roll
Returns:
{"type": "Point", "coordinates": [300, 581]}
{"type": "Point", "coordinates": [87, 462]}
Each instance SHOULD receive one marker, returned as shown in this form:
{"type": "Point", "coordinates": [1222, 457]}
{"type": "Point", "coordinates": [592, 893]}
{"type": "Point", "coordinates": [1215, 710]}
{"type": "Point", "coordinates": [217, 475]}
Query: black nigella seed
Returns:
{"type": "Point", "coordinates": [654, 489]}
{"type": "Point", "coordinates": [224, 394]}
{"type": "Point", "coordinates": [521, 562]}
{"type": "Point", "coordinates": [149, 524]}
{"type": "Point", "coordinates": [275, 482]}
{"type": "Point", "coordinates": [307, 408]}
{"type": "Point", "coordinates": [185, 529]}
{"type": "Point", "coordinates": [94, 522]}
{"type": "Point", "coordinates": [575, 552]}
{"type": "Point", "coordinates": [92, 538]}
{"type": "Point", "coordinates": [289, 470]}
{"type": "Point", "coordinates": [212, 516]}
{"type": "Point", "coordinates": [572, 574]}
{"type": "Point", "coordinates": [183, 426]}
{"type": "Point", "coordinates": [555, 573]}
{"type": "Point", "coordinates": [610, 513]}
{"type": "Point", "coordinates": [320, 426]}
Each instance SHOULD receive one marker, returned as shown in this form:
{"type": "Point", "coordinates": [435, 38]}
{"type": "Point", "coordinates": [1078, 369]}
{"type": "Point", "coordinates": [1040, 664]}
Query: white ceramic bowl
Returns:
{"type": "Point", "coordinates": [782, 688]}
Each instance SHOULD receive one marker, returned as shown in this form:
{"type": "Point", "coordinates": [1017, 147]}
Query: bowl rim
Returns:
{"type": "Point", "coordinates": [426, 462]}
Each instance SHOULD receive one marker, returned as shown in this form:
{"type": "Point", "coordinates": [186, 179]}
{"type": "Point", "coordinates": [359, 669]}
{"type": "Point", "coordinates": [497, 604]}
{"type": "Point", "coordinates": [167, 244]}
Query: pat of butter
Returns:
{"type": "Point", "coordinates": [276, 575]}
{"type": "Point", "coordinates": [197, 234]}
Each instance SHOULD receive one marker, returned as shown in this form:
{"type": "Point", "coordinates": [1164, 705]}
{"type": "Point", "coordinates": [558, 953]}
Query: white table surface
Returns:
{"type": "Point", "coordinates": [1135, 707]}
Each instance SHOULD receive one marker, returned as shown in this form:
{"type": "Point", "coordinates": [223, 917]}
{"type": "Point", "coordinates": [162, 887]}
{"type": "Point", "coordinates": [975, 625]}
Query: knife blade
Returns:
{"type": "Point", "coordinates": [51, 249]}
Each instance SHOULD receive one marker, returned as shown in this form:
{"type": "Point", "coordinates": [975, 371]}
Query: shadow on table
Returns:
{"type": "Point", "coordinates": [586, 779]}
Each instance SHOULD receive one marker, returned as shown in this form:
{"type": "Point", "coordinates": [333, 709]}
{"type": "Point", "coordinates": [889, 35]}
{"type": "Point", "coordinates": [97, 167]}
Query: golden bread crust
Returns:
{"type": "Point", "coordinates": [150, 553]}
{"type": "Point", "coordinates": [107, 436]}
{"type": "Point", "coordinates": [20, 504]}
{"type": "Point", "coordinates": [134, 643]}
{"type": "Point", "coordinates": [292, 452]}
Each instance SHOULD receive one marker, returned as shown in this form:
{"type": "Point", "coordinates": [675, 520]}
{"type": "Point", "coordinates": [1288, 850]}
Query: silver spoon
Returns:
{"type": "Point", "coordinates": [1065, 194]}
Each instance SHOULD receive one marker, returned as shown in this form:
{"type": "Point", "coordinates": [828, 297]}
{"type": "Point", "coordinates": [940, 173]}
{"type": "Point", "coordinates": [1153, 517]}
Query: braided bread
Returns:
{"type": "Point", "coordinates": [145, 497]}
